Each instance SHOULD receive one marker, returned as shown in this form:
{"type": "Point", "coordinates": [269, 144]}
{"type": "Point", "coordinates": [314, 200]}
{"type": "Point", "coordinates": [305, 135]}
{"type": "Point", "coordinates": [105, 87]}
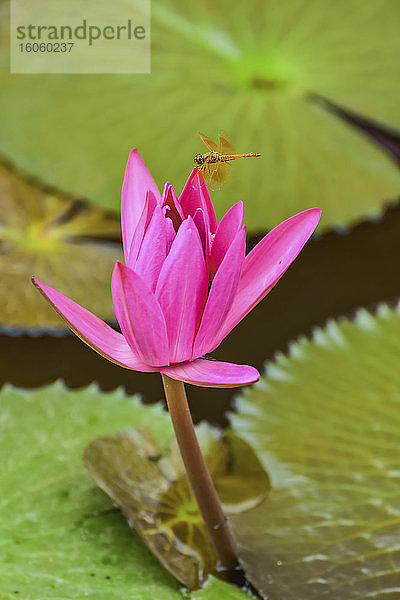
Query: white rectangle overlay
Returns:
{"type": "Point", "coordinates": [75, 36]}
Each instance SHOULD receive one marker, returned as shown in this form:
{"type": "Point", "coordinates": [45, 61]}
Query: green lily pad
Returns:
{"type": "Point", "coordinates": [153, 491]}
{"type": "Point", "coordinates": [218, 590]}
{"type": "Point", "coordinates": [60, 535]}
{"type": "Point", "coordinates": [325, 422]}
{"type": "Point", "coordinates": [58, 238]}
{"type": "Point", "coordinates": [247, 68]}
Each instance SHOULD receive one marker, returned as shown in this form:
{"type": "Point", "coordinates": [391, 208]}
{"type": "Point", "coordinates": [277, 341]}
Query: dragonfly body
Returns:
{"type": "Point", "coordinates": [215, 157]}
{"type": "Point", "coordinates": [213, 165]}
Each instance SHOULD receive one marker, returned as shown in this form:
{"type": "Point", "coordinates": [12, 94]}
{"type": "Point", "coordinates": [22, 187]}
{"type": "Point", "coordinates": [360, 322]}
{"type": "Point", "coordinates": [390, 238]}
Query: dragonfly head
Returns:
{"type": "Point", "coordinates": [199, 160]}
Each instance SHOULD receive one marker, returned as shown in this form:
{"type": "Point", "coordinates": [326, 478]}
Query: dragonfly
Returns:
{"type": "Point", "coordinates": [214, 164]}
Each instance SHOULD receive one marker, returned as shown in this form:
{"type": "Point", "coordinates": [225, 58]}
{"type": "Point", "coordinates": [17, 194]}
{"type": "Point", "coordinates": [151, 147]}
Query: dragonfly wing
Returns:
{"type": "Point", "coordinates": [209, 143]}
{"type": "Point", "coordinates": [207, 171]}
{"type": "Point", "coordinates": [225, 145]}
{"type": "Point", "coordinates": [219, 175]}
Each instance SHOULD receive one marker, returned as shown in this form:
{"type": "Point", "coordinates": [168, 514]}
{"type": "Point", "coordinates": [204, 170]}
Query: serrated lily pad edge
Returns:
{"type": "Point", "coordinates": [363, 317]}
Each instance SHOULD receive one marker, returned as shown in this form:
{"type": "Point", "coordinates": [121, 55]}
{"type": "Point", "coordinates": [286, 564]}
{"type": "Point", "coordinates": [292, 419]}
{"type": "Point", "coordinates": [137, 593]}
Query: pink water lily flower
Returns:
{"type": "Point", "coordinates": [186, 281]}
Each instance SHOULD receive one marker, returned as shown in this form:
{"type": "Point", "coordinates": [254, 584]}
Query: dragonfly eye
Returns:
{"type": "Point", "coordinates": [199, 160]}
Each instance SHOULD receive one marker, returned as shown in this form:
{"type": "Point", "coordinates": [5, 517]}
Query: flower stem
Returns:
{"type": "Point", "coordinates": [199, 477]}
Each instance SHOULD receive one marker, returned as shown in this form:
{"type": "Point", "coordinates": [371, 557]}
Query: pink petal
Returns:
{"type": "Point", "coordinates": [132, 252]}
{"type": "Point", "coordinates": [137, 182]}
{"type": "Point", "coordinates": [226, 231]}
{"type": "Point", "coordinates": [267, 262]}
{"type": "Point", "coordinates": [182, 290]}
{"type": "Point", "coordinates": [221, 295]}
{"type": "Point", "coordinates": [171, 233]}
{"type": "Point", "coordinates": [93, 331]}
{"type": "Point", "coordinates": [195, 195]}
{"type": "Point", "coordinates": [153, 250]}
{"type": "Point", "coordinates": [138, 235]}
{"type": "Point", "coordinates": [173, 209]}
{"type": "Point", "coordinates": [212, 373]}
{"type": "Point", "coordinates": [139, 316]}
{"type": "Point", "coordinates": [200, 222]}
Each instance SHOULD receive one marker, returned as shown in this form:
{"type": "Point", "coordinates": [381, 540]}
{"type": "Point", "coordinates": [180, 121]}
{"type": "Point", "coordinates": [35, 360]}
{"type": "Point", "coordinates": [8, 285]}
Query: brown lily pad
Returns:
{"type": "Point", "coordinates": [153, 492]}
{"type": "Point", "coordinates": [64, 241]}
